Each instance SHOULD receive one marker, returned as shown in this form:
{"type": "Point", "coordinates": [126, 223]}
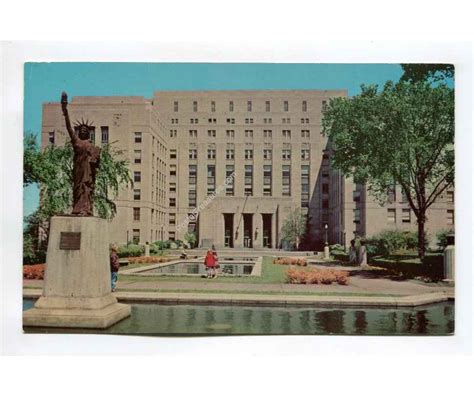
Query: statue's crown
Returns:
{"type": "Point", "coordinates": [79, 124]}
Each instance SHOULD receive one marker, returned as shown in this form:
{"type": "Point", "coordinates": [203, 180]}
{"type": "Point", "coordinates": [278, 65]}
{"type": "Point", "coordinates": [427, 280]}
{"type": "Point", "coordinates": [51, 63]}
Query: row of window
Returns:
{"type": "Point", "coordinates": [248, 120]}
{"type": "Point", "coordinates": [285, 106]}
{"type": "Point", "coordinates": [104, 135]}
{"type": "Point", "coordinates": [248, 154]}
{"type": "Point", "coordinates": [248, 133]}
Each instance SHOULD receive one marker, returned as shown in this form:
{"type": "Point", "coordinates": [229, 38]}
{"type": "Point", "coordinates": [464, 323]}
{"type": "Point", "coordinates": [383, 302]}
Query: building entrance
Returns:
{"type": "Point", "coordinates": [229, 230]}
{"type": "Point", "coordinates": [248, 227]}
{"type": "Point", "coordinates": [267, 230]}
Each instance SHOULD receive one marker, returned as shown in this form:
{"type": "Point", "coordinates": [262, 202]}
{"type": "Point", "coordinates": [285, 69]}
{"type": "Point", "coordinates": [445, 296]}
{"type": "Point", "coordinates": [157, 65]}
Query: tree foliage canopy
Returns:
{"type": "Point", "coordinates": [414, 72]}
{"type": "Point", "coordinates": [52, 170]}
{"type": "Point", "coordinates": [294, 228]}
{"type": "Point", "coordinates": [402, 134]}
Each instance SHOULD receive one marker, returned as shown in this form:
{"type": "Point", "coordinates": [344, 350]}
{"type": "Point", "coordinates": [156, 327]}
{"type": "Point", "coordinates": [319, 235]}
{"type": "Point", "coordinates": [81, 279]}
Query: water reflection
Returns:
{"type": "Point", "coordinates": [161, 319]}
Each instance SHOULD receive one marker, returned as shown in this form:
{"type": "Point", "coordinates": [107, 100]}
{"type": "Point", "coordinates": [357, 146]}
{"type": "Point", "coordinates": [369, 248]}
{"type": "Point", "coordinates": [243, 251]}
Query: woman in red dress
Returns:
{"type": "Point", "coordinates": [210, 263]}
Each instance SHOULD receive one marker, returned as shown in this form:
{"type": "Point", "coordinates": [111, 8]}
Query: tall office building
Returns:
{"type": "Point", "coordinates": [241, 160]}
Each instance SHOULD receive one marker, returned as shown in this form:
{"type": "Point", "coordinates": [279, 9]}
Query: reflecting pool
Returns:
{"type": "Point", "coordinates": [163, 319]}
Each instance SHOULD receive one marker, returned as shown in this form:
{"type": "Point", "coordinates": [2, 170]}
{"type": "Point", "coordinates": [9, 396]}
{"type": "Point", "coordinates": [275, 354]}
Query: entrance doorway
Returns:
{"type": "Point", "coordinates": [229, 230]}
{"type": "Point", "coordinates": [248, 227]}
{"type": "Point", "coordinates": [267, 230]}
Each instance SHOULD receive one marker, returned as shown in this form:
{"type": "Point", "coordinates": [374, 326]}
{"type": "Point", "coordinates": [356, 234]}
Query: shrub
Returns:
{"type": "Point", "coordinates": [147, 259]}
{"type": "Point", "coordinates": [34, 272]}
{"type": "Point", "coordinates": [336, 249]}
{"type": "Point", "coordinates": [391, 241]}
{"type": "Point", "coordinates": [442, 238]}
{"type": "Point", "coordinates": [131, 250]}
{"type": "Point", "coordinates": [290, 261]}
{"type": "Point", "coordinates": [325, 276]}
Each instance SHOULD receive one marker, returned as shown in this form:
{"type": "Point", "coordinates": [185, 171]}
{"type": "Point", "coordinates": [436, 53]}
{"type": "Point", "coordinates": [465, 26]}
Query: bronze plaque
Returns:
{"type": "Point", "coordinates": [70, 241]}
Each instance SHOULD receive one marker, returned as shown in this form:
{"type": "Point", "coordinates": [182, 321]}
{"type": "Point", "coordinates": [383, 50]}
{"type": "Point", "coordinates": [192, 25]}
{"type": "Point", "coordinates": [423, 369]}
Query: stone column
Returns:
{"type": "Point", "coordinates": [257, 230]}
{"type": "Point", "coordinates": [274, 230]}
{"type": "Point", "coordinates": [238, 233]}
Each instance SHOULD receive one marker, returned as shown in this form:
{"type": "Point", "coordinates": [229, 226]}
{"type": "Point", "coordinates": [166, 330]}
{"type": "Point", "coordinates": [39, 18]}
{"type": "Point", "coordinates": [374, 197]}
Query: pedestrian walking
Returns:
{"type": "Point", "coordinates": [353, 253]}
{"type": "Point", "coordinates": [363, 254]}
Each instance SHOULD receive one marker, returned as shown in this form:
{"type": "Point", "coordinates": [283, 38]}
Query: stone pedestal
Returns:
{"type": "Point", "coordinates": [449, 263]}
{"type": "Point", "coordinates": [326, 252]}
{"type": "Point", "coordinates": [77, 288]}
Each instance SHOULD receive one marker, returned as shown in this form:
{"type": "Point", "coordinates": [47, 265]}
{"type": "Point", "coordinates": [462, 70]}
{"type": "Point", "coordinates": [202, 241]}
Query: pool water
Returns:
{"type": "Point", "coordinates": [163, 319]}
{"type": "Point", "coordinates": [236, 269]}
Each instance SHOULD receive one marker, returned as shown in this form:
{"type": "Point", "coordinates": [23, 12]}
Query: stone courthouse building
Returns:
{"type": "Point", "coordinates": [182, 145]}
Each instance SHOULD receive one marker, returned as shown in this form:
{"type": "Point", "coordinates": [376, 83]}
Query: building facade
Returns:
{"type": "Point", "coordinates": [230, 166]}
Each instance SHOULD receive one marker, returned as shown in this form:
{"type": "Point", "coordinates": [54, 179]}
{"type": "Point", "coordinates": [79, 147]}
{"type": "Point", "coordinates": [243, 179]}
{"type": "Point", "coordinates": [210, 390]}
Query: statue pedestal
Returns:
{"type": "Point", "coordinates": [77, 287]}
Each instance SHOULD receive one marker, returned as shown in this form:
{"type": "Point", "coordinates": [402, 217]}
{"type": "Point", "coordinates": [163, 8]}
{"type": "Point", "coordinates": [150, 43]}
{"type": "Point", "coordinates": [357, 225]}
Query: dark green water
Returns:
{"type": "Point", "coordinates": [162, 319]}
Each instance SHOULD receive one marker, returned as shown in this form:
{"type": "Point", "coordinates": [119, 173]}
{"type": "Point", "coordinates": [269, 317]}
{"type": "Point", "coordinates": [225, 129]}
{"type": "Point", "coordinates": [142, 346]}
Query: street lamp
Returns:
{"type": "Point", "coordinates": [326, 246]}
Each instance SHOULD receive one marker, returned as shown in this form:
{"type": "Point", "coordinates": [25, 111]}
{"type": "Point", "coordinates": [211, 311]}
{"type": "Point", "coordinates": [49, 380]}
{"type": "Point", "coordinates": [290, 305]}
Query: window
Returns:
{"type": "Point", "coordinates": [172, 218]}
{"type": "Point", "coordinates": [92, 132]}
{"type": "Point", "coordinates": [136, 213]}
{"type": "Point", "coordinates": [137, 176]}
{"type": "Point", "coordinates": [213, 106]}
{"type": "Point", "coordinates": [325, 188]}
{"type": "Point", "coordinates": [136, 236]}
{"type": "Point", "coordinates": [212, 121]}
{"type": "Point", "coordinates": [324, 105]}
{"type": "Point", "coordinates": [136, 194]}
{"type": "Point", "coordinates": [230, 121]}
{"type": "Point", "coordinates": [193, 133]}
{"type": "Point", "coordinates": [450, 197]}
{"type": "Point", "coordinates": [285, 106]}
{"type": "Point", "coordinates": [267, 121]}
{"type": "Point", "coordinates": [195, 106]}
{"type": "Point", "coordinates": [304, 121]}
{"type": "Point", "coordinates": [192, 198]}
{"type": "Point", "coordinates": [230, 133]}
{"type": "Point", "coordinates": [249, 133]}
{"type": "Point", "coordinates": [248, 180]}
{"type": "Point", "coordinates": [172, 187]}
{"type": "Point", "coordinates": [211, 179]}
{"type": "Point", "coordinates": [267, 180]}
{"type": "Point", "coordinates": [229, 189]}
{"type": "Point", "coordinates": [231, 106]}
{"type": "Point", "coordinates": [286, 133]}
{"type": "Point", "coordinates": [286, 154]}
{"type": "Point", "coordinates": [229, 154]}
{"type": "Point", "coordinates": [304, 133]}
{"type": "Point", "coordinates": [406, 215]}
{"type": "Point", "coordinates": [304, 154]}
{"type": "Point", "coordinates": [391, 215]}
{"type": "Point", "coordinates": [172, 170]}
{"type": "Point", "coordinates": [172, 236]}
{"type": "Point", "coordinates": [194, 121]}
{"type": "Point", "coordinates": [286, 180]}
{"type": "Point", "coordinates": [267, 133]}
{"type": "Point", "coordinates": [51, 137]}
{"type": "Point", "coordinates": [174, 121]}
{"type": "Point", "coordinates": [267, 106]}
{"type": "Point", "coordinates": [356, 196]}
{"type": "Point", "coordinates": [211, 133]}
{"type": "Point", "coordinates": [249, 106]}
{"type": "Point", "coordinates": [192, 154]}
{"type": "Point", "coordinates": [286, 120]}
{"type": "Point", "coordinates": [138, 157]}
{"type": "Point", "coordinates": [391, 194]}
{"type": "Point", "coordinates": [248, 154]}
{"type": "Point", "coordinates": [175, 106]}
{"type": "Point", "coordinates": [211, 154]}
{"type": "Point", "coordinates": [305, 186]}
{"type": "Point", "coordinates": [249, 121]}
{"type": "Point", "coordinates": [450, 214]}
{"type": "Point", "coordinates": [172, 201]}
{"type": "Point", "coordinates": [267, 154]}
{"type": "Point", "coordinates": [192, 174]}
{"type": "Point", "coordinates": [325, 204]}
{"type": "Point", "coordinates": [304, 106]}
{"type": "Point", "coordinates": [356, 215]}
{"type": "Point", "coordinates": [173, 134]}
{"type": "Point", "coordinates": [172, 153]}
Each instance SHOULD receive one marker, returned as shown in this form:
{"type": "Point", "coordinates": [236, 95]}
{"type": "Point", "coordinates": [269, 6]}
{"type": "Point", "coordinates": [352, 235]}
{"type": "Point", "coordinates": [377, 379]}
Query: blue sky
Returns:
{"type": "Point", "coordinates": [44, 82]}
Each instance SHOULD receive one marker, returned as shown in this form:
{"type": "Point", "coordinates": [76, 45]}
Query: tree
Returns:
{"type": "Point", "coordinates": [414, 72]}
{"type": "Point", "coordinates": [403, 134]}
{"type": "Point", "coordinates": [52, 170]}
{"type": "Point", "coordinates": [190, 238]}
{"type": "Point", "coordinates": [294, 228]}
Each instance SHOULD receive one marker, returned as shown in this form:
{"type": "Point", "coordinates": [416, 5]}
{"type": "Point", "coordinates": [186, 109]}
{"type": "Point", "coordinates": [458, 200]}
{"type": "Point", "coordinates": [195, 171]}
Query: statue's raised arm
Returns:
{"type": "Point", "coordinates": [70, 130]}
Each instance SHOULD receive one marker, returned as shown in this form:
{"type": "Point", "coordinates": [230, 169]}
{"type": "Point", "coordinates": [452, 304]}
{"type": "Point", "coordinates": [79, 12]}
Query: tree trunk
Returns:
{"type": "Point", "coordinates": [421, 234]}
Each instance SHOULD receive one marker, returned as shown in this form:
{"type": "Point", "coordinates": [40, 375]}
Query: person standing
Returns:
{"type": "Point", "coordinates": [114, 266]}
{"type": "Point", "coordinates": [353, 253]}
{"type": "Point", "coordinates": [363, 254]}
{"type": "Point", "coordinates": [210, 263]}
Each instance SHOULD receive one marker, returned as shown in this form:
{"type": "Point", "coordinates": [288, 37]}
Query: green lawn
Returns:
{"type": "Point", "coordinates": [271, 274]}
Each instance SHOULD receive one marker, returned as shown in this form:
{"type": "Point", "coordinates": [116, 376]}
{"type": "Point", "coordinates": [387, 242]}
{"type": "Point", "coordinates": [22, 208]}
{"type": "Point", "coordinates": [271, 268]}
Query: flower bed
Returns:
{"type": "Point", "coordinates": [147, 259]}
{"type": "Point", "coordinates": [34, 272]}
{"type": "Point", "coordinates": [290, 261]}
{"type": "Point", "coordinates": [326, 276]}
